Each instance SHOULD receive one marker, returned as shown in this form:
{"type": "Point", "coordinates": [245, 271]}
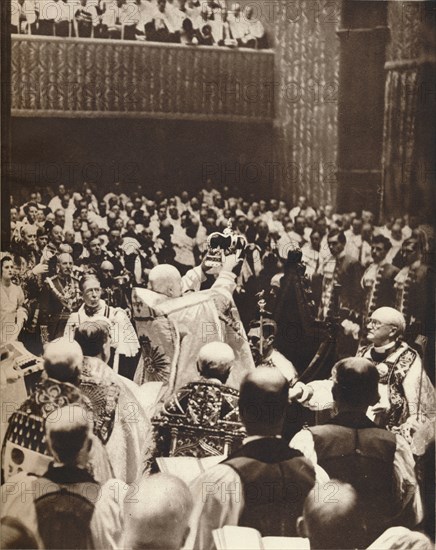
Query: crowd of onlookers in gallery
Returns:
{"type": "Point", "coordinates": [193, 22]}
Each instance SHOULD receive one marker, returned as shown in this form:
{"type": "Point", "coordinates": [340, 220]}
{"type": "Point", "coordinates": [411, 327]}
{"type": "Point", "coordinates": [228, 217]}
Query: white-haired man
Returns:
{"type": "Point", "coordinates": [405, 387]}
{"type": "Point", "coordinates": [66, 506]}
{"type": "Point", "coordinates": [406, 394]}
{"type": "Point", "coordinates": [173, 325]}
{"type": "Point", "coordinates": [215, 361]}
{"type": "Point", "coordinates": [166, 279]}
{"type": "Point", "coordinates": [59, 386]}
{"type": "Point", "coordinates": [206, 402]}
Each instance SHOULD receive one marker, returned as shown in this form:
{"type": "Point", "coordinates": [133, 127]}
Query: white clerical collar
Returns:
{"type": "Point", "coordinates": [251, 438]}
{"type": "Point", "coordinates": [386, 347]}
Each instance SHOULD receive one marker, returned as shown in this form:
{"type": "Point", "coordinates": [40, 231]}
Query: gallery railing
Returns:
{"type": "Point", "coordinates": [69, 77]}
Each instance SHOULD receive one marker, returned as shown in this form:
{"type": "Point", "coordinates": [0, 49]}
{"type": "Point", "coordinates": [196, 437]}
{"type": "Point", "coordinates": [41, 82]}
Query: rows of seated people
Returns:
{"type": "Point", "coordinates": [207, 23]}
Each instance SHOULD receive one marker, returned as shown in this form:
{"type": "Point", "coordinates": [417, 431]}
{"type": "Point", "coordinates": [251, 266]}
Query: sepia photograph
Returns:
{"type": "Point", "coordinates": [217, 292]}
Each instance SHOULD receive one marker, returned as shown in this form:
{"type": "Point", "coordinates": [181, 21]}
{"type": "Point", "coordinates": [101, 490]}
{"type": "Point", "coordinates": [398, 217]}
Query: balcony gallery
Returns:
{"type": "Point", "coordinates": [91, 77]}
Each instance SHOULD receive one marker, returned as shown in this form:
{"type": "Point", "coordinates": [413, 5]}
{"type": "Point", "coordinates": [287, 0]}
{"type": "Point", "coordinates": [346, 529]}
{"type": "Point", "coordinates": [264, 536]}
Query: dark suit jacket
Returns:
{"type": "Point", "coordinates": [348, 273]}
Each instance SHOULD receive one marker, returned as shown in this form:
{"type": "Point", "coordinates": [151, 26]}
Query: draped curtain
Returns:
{"type": "Point", "coordinates": [307, 75]}
{"type": "Point", "coordinates": [408, 142]}
{"type": "Point", "coordinates": [399, 134]}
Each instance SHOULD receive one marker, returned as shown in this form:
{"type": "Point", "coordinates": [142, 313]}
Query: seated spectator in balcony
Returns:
{"type": "Point", "coordinates": [23, 17]}
{"type": "Point", "coordinates": [46, 13]}
{"type": "Point", "coordinates": [213, 10]}
{"type": "Point", "coordinates": [254, 31]}
{"type": "Point", "coordinates": [86, 20]}
{"type": "Point", "coordinates": [191, 8]}
{"type": "Point", "coordinates": [145, 16]}
{"type": "Point", "coordinates": [203, 28]}
{"type": "Point", "coordinates": [179, 14]}
{"type": "Point", "coordinates": [53, 17]}
{"type": "Point", "coordinates": [164, 26]}
{"type": "Point", "coordinates": [188, 34]}
{"type": "Point", "coordinates": [64, 19]}
{"type": "Point", "coordinates": [236, 23]}
{"type": "Point", "coordinates": [222, 32]}
{"type": "Point", "coordinates": [118, 21]}
{"type": "Point", "coordinates": [131, 19]}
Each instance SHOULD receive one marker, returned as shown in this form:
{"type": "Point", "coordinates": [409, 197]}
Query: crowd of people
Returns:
{"type": "Point", "coordinates": [208, 23]}
{"type": "Point", "coordinates": [90, 279]}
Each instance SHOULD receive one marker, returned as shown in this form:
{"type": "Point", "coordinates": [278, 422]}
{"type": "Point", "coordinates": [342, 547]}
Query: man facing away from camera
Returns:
{"type": "Point", "coordinates": [351, 448]}
{"type": "Point", "coordinates": [264, 483]}
{"type": "Point", "coordinates": [66, 507]}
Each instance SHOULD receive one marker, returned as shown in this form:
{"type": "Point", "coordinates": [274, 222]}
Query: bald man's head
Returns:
{"type": "Point", "coordinates": [29, 230]}
{"type": "Point", "coordinates": [63, 360]}
{"type": "Point", "coordinates": [262, 401]}
{"type": "Point", "coordinates": [107, 265]}
{"type": "Point", "coordinates": [215, 360]}
{"type": "Point", "coordinates": [165, 279]}
{"type": "Point", "coordinates": [158, 516]}
{"type": "Point", "coordinates": [331, 523]}
{"type": "Point", "coordinates": [68, 432]}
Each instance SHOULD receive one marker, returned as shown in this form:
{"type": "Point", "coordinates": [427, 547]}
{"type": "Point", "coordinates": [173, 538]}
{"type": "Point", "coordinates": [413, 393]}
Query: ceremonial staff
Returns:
{"type": "Point", "coordinates": [261, 303]}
